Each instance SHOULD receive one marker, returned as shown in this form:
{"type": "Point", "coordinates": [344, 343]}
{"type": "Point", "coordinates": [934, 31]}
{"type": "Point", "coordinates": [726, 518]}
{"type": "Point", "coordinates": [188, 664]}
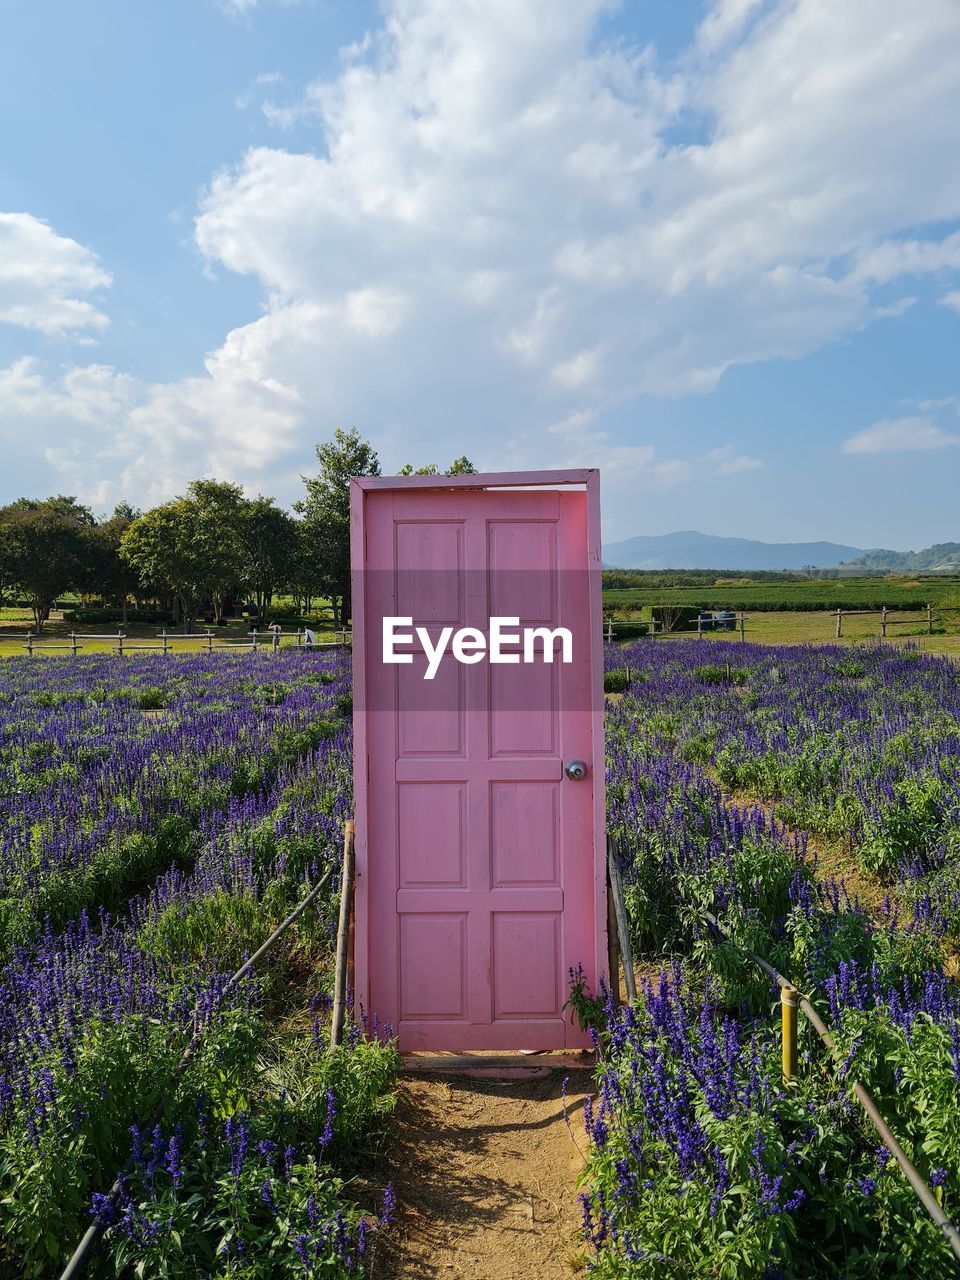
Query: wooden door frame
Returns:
{"type": "Point", "coordinates": [360, 487]}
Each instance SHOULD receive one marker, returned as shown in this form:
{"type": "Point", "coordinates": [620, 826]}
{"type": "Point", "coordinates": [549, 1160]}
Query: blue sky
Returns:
{"type": "Point", "coordinates": [712, 248]}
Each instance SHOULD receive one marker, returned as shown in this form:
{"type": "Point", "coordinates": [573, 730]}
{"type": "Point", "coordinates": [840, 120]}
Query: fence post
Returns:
{"type": "Point", "coordinates": [209, 639]}
{"type": "Point", "coordinates": [299, 638]}
{"type": "Point", "coordinates": [163, 637]}
{"type": "Point", "coordinates": [615, 889]}
{"type": "Point", "coordinates": [839, 622]}
{"type": "Point", "coordinates": [883, 622]}
{"type": "Point", "coordinates": [699, 627]}
{"type": "Point", "coordinates": [276, 642]}
{"type": "Point", "coordinates": [929, 619]}
{"type": "Point", "coordinates": [613, 947]}
{"type": "Point", "coordinates": [29, 644]}
{"type": "Point", "coordinates": [73, 643]}
{"type": "Point", "coordinates": [609, 630]}
{"type": "Point", "coordinates": [343, 938]}
{"type": "Point", "coordinates": [119, 645]}
{"type": "Point", "coordinates": [742, 637]}
{"type": "Point", "coordinates": [788, 1019]}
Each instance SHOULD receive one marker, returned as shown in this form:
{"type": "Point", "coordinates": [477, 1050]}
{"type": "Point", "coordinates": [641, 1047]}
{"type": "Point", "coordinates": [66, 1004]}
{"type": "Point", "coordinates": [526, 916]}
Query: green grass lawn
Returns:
{"type": "Point", "coordinates": [794, 627]}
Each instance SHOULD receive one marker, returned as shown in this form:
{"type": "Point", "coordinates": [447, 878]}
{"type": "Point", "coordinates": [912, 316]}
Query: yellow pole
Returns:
{"type": "Point", "coordinates": [788, 1014]}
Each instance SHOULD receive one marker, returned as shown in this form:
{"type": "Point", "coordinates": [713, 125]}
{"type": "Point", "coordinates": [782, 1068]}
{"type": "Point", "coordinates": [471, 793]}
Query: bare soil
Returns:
{"type": "Point", "coordinates": [485, 1172]}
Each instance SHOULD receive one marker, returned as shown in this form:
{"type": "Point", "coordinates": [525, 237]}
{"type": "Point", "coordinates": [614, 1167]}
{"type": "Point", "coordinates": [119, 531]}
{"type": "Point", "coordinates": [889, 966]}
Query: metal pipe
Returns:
{"type": "Point", "coordinates": [910, 1171]}
{"type": "Point", "coordinates": [78, 1259]}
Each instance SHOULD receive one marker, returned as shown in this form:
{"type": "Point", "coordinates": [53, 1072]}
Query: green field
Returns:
{"type": "Point", "coordinates": [813, 594]}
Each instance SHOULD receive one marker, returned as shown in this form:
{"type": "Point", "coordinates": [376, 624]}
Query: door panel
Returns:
{"type": "Point", "coordinates": [524, 834]}
{"type": "Point", "coordinates": [431, 834]}
{"type": "Point", "coordinates": [480, 856]}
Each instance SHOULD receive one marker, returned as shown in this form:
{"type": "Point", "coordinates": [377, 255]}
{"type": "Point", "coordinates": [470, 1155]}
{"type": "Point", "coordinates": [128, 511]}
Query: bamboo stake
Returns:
{"type": "Point", "coordinates": [911, 1173]}
{"type": "Point", "coordinates": [343, 937]}
{"type": "Point", "coordinates": [788, 1019]}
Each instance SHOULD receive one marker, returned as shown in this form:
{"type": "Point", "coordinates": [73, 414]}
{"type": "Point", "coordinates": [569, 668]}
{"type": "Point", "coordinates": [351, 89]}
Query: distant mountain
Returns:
{"type": "Point", "coordinates": [692, 550]}
{"type": "Point", "coordinates": [943, 557]}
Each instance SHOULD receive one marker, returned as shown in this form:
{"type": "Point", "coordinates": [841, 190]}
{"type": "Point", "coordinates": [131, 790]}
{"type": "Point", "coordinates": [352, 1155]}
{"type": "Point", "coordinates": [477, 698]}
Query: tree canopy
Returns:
{"type": "Point", "coordinates": [199, 549]}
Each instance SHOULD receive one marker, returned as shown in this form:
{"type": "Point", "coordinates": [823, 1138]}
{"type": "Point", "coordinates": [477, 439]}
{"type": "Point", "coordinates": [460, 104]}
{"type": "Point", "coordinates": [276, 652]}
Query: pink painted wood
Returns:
{"type": "Point", "coordinates": [481, 875]}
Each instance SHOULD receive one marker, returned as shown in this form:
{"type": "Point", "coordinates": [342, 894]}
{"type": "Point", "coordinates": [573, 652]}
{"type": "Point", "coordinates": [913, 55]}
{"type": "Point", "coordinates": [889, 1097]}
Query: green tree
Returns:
{"type": "Point", "coordinates": [107, 572]}
{"type": "Point", "coordinates": [191, 547]}
{"type": "Point", "coordinates": [269, 539]}
{"type": "Point", "coordinates": [220, 512]}
{"type": "Point", "coordinates": [45, 549]}
{"type": "Point", "coordinates": [306, 578]}
{"type": "Point", "coordinates": [326, 514]}
{"type": "Point", "coordinates": [461, 466]}
{"type": "Point", "coordinates": [6, 563]}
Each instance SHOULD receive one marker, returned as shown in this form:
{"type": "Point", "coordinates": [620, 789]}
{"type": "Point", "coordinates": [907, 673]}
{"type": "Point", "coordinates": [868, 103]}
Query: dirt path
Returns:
{"type": "Point", "coordinates": [833, 857]}
{"type": "Point", "coordinates": [485, 1172]}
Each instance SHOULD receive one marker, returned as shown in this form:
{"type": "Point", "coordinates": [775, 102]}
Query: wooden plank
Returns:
{"type": "Point", "coordinates": [497, 1066]}
{"type": "Point", "coordinates": [487, 480]}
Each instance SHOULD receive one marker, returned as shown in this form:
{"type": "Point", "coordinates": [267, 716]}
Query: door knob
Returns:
{"type": "Point", "coordinates": [575, 769]}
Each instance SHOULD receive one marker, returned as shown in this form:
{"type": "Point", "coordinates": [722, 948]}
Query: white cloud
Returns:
{"type": "Point", "coordinates": [41, 276]}
{"type": "Point", "coordinates": [466, 145]}
{"type": "Point", "coordinates": [577, 371]}
{"type": "Point", "coordinates": [727, 462]}
{"type": "Point", "coordinates": [900, 435]}
{"type": "Point", "coordinates": [951, 299]}
{"type": "Point", "coordinates": [242, 8]}
{"type": "Point", "coordinates": [115, 436]}
{"type": "Point", "coordinates": [494, 230]}
{"type": "Point", "coordinates": [894, 258]}
{"type": "Point", "coordinates": [626, 467]}
{"type": "Point", "coordinates": [257, 84]}
{"type": "Point", "coordinates": [724, 21]}
{"type": "Point", "coordinates": [237, 8]}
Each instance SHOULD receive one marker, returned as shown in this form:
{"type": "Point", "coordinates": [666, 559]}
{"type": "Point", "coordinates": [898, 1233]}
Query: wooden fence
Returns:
{"type": "Point", "coordinates": [208, 640]}
{"type": "Point", "coordinates": [730, 620]}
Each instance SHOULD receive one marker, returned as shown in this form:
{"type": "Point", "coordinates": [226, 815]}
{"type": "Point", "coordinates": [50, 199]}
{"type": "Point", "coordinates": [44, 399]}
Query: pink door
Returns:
{"type": "Point", "coordinates": [481, 875]}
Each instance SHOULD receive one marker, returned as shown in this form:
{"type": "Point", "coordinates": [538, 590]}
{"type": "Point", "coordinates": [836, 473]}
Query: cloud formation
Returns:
{"type": "Point", "coordinates": [900, 435]}
{"type": "Point", "coordinates": [497, 230]}
{"type": "Point", "coordinates": [727, 462]}
{"type": "Point", "coordinates": [519, 193]}
{"type": "Point", "coordinates": [44, 277]}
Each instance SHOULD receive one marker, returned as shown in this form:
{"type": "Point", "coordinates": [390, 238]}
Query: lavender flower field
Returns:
{"type": "Point", "coordinates": [159, 817]}
{"type": "Point", "coordinates": [702, 1160]}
